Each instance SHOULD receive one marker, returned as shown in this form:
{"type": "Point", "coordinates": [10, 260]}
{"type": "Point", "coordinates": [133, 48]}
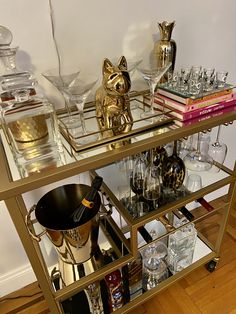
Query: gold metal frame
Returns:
{"type": "Point", "coordinates": [11, 192]}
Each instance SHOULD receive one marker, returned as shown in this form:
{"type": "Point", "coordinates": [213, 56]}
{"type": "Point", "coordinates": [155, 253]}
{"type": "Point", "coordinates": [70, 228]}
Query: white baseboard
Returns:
{"type": "Point", "coordinates": [16, 279]}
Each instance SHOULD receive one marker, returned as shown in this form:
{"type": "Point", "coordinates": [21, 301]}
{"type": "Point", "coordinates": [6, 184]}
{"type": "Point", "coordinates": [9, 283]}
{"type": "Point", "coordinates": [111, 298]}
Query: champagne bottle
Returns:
{"type": "Point", "coordinates": [88, 201]}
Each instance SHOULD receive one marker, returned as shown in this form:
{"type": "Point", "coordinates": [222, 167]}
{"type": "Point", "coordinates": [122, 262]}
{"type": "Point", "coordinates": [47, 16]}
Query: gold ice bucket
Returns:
{"type": "Point", "coordinates": [75, 242]}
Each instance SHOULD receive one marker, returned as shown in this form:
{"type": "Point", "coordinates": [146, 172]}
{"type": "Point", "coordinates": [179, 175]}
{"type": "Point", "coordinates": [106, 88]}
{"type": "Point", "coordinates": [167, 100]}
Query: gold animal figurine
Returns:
{"type": "Point", "coordinates": [112, 100]}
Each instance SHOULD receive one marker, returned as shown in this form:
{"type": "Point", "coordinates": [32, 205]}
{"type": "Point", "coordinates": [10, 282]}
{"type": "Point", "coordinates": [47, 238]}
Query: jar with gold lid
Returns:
{"type": "Point", "coordinates": [30, 126]}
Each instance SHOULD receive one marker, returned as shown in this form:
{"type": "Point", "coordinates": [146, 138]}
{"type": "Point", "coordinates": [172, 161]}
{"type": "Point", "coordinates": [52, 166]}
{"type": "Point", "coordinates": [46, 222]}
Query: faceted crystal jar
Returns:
{"type": "Point", "coordinates": [31, 128]}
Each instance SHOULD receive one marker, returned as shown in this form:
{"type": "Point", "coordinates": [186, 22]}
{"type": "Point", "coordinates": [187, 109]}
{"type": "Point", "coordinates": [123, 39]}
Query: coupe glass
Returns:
{"type": "Point", "coordinates": [197, 160]}
{"type": "Point", "coordinates": [77, 93]}
{"type": "Point", "coordinates": [217, 151]}
{"type": "Point", "coordinates": [152, 76]}
{"type": "Point", "coordinates": [61, 78]}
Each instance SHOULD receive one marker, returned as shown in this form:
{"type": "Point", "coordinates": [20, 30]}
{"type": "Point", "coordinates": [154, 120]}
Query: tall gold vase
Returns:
{"type": "Point", "coordinates": [165, 48]}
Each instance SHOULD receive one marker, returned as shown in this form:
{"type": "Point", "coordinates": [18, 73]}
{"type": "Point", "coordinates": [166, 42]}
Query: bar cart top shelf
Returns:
{"type": "Point", "coordinates": [97, 156]}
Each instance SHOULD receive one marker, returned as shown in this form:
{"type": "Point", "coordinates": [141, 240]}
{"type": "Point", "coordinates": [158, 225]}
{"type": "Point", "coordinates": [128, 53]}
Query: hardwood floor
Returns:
{"type": "Point", "coordinates": [199, 292]}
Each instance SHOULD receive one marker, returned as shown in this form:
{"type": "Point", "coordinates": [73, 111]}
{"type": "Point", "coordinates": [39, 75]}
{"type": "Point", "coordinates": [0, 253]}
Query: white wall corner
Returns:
{"type": "Point", "coordinates": [16, 279]}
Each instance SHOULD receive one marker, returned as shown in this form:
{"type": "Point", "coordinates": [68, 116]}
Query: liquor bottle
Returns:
{"type": "Point", "coordinates": [135, 277]}
{"type": "Point", "coordinates": [205, 204]}
{"type": "Point", "coordinates": [94, 297]}
{"type": "Point", "coordinates": [186, 213]}
{"type": "Point", "coordinates": [115, 290]}
{"type": "Point", "coordinates": [88, 201]}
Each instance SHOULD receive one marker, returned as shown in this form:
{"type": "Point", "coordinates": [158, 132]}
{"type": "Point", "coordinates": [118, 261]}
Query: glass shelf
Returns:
{"type": "Point", "coordinates": [95, 156]}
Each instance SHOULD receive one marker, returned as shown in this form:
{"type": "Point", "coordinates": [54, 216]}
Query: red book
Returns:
{"type": "Point", "coordinates": [175, 105]}
{"type": "Point", "coordinates": [183, 116]}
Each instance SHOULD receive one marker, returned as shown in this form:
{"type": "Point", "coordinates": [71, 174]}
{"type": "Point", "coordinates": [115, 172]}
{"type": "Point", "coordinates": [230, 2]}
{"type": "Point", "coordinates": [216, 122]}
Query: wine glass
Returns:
{"type": "Point", "coordinates": [61, 78]}
{"type": "Point", "coordinates": [151, 183]}
{"type": "Point", "coordinates": [138, 174]}
{"type": "Point", "coordinates": [217, 151]}
{"type": "Point", "coordinates": [152, 76]}
{"type": "Point", "coordinates": [197, 160]}
{"type": "Point", "coordinates": [131, 64]}
{"type": "Point", "coordinates": [77, 93]}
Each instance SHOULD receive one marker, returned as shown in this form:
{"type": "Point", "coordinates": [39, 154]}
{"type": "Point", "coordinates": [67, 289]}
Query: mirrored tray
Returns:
{"type": "Point", "coordinates": [164, 87]}
{"type": "Point", "coordinates": [140, 125]}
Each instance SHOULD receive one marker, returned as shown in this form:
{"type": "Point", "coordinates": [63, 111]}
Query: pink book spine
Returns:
{"type": "Point", "coordinates": [206, 110]}
{"type": "Point", "coordinates": [207, 116]}
{"type": "Point", "coordinates": [186, 108]}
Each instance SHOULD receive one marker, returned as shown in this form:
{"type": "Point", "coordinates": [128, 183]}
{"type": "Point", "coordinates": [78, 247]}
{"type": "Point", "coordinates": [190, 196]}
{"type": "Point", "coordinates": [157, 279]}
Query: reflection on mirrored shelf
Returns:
{"type": "Point", "coordinates": [96, 138]}
{"type": "Point", "coordinates": [147, 272]}
{"type": "Point", "coordinates": [117, 177]}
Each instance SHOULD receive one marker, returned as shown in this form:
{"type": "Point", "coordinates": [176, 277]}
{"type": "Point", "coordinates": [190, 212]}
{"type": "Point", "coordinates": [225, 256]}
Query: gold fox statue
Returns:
{"type": "Point", "coordinates": [112, 100]}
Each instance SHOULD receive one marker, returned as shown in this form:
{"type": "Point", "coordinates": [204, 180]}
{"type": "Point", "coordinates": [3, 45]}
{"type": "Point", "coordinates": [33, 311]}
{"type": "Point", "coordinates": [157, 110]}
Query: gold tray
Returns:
{"type": "Point", "coordinates": [140, 125]}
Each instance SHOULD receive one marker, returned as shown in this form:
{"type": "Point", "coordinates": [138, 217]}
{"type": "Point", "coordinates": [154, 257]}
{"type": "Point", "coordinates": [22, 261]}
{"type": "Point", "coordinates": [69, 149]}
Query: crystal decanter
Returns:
{"type": "Point", "coordinates": [31, 127]}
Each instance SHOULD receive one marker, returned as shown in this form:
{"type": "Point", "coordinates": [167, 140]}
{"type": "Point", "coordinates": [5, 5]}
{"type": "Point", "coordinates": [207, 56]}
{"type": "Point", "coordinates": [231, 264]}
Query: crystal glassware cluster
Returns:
{"type": "Point", "coordinates": [196, 80]}
{"type": "Point", "coordinates": [146, 175]}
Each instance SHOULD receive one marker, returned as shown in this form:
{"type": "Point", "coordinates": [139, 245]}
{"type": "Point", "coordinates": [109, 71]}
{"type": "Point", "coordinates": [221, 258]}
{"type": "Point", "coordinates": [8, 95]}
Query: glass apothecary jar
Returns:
{"type": "Point", "coordinates": [31, 128]}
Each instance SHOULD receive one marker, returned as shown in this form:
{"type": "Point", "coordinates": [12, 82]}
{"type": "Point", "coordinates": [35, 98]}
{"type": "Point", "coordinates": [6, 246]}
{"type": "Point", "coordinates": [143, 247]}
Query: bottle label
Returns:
{"type": "Point", "coordinates": [116, 297]}
{"type": "Point", "coordinates": [87, 203]}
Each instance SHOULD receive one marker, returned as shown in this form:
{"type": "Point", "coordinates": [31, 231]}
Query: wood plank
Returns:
{"type": "Point", "coordinates": [14, 302]}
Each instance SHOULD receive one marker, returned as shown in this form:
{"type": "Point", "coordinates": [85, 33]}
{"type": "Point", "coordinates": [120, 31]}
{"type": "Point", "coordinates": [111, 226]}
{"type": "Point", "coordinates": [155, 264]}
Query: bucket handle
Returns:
{"type": "Point", "coordinates": [28, 222]}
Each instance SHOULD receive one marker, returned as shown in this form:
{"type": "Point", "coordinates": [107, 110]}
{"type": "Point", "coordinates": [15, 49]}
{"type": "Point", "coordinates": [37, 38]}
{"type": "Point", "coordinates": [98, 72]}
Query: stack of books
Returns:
{"type": "Point", "coordinates": [188, 110]}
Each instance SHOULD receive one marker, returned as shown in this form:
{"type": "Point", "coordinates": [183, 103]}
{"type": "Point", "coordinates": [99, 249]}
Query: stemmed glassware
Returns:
{"type": "Point", "coordinates": [151, 183]}
{"type": "Point", "coordinates": [131, 64]}
{"type": "Point", "coordinates": [197, 160]}
{"type": "Point", "coordinates": [152, 76]}
{"type": "Point", "coordinates": [61, 78]}
{"type": "Point", "coordinates": [217, 151]}
{"type": "Point", "coordinates": [77, 93]}
{"type": "Point", "coordinates": [137, 178]}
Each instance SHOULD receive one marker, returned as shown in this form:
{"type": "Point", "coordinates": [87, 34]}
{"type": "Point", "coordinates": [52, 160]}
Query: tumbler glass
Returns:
{"type": "Point", "coordinates": [181, 247]}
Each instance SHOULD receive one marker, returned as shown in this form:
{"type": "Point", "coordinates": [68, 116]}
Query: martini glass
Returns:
{"type": "Point", "coordinates": [77, 93]}
{"type": "Point", "coordinates": [152, 76]}
{"type": "Point", "coordinates": [61, 78]}
{"type": "Point", "coordinates": [197, 160]}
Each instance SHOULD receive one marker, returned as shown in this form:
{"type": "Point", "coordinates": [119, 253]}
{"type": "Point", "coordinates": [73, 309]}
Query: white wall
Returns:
{"type": "Point", "coordinates": [87, 31]}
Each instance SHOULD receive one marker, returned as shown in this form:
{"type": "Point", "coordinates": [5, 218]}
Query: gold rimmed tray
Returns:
{"type": "Point", "coordinates": [140, 125]}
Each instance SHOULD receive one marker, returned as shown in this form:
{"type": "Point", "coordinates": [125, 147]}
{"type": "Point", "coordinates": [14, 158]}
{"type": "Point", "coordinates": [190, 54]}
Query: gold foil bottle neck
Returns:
{"type": "Point", "coordinates": [166, 29]}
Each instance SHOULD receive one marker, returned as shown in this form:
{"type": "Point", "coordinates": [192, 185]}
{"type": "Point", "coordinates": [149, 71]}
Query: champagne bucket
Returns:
{"type": "Point", "coordinates": [75, 242]}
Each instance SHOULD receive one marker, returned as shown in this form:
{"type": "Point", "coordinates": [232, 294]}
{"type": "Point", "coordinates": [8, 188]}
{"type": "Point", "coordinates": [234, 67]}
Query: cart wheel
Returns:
{"type": "Point", "coordinates": [211, 266]}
